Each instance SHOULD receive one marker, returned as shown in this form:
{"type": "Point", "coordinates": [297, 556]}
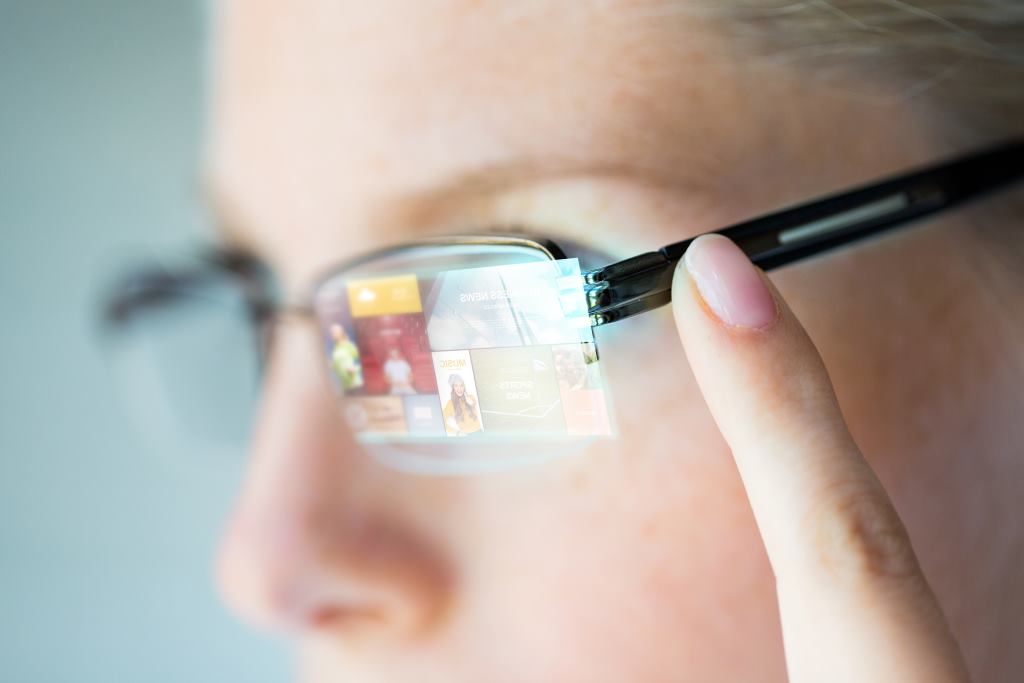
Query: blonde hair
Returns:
{"type": "Point", "coordinates": [964, 58]}
{"type": "Point", "coordinates": [959, 62]}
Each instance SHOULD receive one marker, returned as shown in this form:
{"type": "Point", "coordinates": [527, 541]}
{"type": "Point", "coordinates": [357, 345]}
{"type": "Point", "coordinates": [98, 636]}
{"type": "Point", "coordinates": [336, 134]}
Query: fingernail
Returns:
{"type": "Point", "coordinates": [729, 283]}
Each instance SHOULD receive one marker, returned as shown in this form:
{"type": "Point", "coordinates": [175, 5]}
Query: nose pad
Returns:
{"type": "Point", "coordinates": [313, 544]}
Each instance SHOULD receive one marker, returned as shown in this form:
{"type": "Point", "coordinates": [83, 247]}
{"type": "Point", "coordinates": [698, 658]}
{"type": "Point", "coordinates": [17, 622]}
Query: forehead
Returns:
{"type": "Point", "coordinates": [331, 117]}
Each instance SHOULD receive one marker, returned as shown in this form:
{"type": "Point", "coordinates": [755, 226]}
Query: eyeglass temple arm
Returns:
{"type": "Point", "coordinates": [644, 282]}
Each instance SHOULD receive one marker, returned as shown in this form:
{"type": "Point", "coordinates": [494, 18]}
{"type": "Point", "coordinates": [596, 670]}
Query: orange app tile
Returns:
{"type": "Point", "coordinates": [384, 296]}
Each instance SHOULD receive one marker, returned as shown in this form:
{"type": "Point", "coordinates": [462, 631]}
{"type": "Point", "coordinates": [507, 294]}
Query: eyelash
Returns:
{"type": "Point", "coordinates": [590, 257]}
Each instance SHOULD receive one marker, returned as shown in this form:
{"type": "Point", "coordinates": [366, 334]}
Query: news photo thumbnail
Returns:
{"type": "Point", "coordinates": [343, 355]}
{"type": "Point", "coordinates": [580, 386]}
{"type": "Point", "coordinates": [395, 355]}
{"type": "Point", "coordinates": [525, 304]}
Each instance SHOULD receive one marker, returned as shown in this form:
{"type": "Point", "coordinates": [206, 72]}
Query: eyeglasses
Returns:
{"type": "Point", "coordinates": [439, 347]}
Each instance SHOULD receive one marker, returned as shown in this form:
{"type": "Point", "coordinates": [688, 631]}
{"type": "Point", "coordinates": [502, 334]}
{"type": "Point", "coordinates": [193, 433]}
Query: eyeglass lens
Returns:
{"type": "Point", "coordinates": [482, 341]}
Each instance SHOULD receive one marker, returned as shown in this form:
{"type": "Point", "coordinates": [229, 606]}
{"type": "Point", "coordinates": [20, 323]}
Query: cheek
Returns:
{"type": "Point", "coordinates": [644, 563]}
{"type": "Point", "coordinates": [643, 553]}
{"type": "Point", "coordinates": [655, 400]}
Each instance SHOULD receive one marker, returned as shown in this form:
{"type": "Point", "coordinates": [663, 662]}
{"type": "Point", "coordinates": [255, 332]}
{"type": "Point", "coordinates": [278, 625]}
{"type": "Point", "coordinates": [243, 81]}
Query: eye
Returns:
{"type": "Point", "coordinates": [590, 257]}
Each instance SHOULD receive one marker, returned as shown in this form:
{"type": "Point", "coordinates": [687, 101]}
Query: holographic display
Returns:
{"type": "Point", "coordinates": [495, 352]}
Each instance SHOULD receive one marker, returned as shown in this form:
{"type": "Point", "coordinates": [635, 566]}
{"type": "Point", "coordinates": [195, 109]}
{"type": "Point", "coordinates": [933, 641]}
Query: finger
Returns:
{"type": "Point", "coordinates": [853, 602]}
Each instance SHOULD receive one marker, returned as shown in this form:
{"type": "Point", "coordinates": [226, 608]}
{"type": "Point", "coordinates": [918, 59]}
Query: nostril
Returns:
{"type": "Point", "coordinates": [337, 616]}
{"type": "Point", "coordinates": [353, 585]}
{"type": "Point", "coordinates": [337, 604]}
{"type": "Point", "coordinates": [328, 617]}
{"type": "Point", "coordinates": [316, 542]}
{"type": "Point", "coordinates": [301, 601]}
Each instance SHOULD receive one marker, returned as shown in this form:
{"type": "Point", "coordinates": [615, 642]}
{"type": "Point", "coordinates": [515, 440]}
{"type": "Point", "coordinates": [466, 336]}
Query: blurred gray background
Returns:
{"type": "Point", "coordinates": [105, 551]}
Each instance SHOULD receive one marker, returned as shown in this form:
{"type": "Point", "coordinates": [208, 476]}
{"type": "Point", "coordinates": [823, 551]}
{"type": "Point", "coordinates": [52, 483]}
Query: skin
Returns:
{"type": "Point", "coordinates": [340, 127]}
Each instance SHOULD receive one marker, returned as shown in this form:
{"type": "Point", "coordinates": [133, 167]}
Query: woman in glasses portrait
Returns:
{"type": "Point", "coordinates": [460, 412]}
{"type": "Point", "coordinates": [817, 466]}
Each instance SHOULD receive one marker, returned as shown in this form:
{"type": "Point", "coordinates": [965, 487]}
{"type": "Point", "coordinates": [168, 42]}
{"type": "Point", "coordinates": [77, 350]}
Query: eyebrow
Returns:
{"type": "Point", "coordinates": [498, 176]}
{"type": "Point", "coordinates": [418, 208]}
{"type": "Point", "coordinates": [522, 171]}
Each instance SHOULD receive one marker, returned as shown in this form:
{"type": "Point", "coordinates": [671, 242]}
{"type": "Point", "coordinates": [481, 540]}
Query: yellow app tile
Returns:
{"type": "Point", "coordinates": [384, 296]}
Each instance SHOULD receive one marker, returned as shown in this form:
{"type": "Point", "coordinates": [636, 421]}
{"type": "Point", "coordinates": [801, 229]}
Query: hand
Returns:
{"type": "Point", "coordinates": [853, 602]}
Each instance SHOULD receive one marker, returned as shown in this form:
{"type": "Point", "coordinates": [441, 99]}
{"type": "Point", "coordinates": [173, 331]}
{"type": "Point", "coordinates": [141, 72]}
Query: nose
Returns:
{"type": "Point", "coordinates": [312, 543]}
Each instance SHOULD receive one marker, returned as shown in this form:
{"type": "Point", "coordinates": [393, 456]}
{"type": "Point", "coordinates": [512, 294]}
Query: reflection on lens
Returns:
{"type": "Point", "coordinates": [455, 357]}
{"type": "Point", "coordinates": [466, 457]}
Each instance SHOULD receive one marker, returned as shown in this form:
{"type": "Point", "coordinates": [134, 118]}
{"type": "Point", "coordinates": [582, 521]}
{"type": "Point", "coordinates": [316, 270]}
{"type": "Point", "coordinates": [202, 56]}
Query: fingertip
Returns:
{"type": "Point", "coordinates": [682, 288]}
{"type": "Point", "coordinates": [731, 288]}
{"type": "Point", "coordinates": [758, 370]}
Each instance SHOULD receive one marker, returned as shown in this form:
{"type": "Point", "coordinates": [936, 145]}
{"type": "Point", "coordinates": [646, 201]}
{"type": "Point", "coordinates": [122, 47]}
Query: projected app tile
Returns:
{"type": "Point", "coordinates": [345, 360]}
{"type": "Point", "coordinates": [423, 415]}
{"type": "Point", "coordinates": [519, 390]}
{"type": "Point", "coordinates": [500, 306]}
{"type": "Point", "coordinates": [458, 393]}
{"type": "Point", "coordinates": [384, 296]}
{"type": "Point", "coordinates": [579, 384]}
{"type": "Point", "coordinates": [384, 414]}
{"type": "Point", "coordinates": [395, 355]}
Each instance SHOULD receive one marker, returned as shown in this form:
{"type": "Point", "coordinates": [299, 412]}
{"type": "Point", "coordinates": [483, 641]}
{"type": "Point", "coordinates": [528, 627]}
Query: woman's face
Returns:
{"type": "Point", "coordinates": [341, 127]}
{"type": "Point", "coordinates": [460, 389]}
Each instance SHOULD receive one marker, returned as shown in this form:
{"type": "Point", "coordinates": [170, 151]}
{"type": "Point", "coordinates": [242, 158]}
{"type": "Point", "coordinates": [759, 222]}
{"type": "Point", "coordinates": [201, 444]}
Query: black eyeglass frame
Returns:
{"type": "Point", "coordinates": [644, 282]}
